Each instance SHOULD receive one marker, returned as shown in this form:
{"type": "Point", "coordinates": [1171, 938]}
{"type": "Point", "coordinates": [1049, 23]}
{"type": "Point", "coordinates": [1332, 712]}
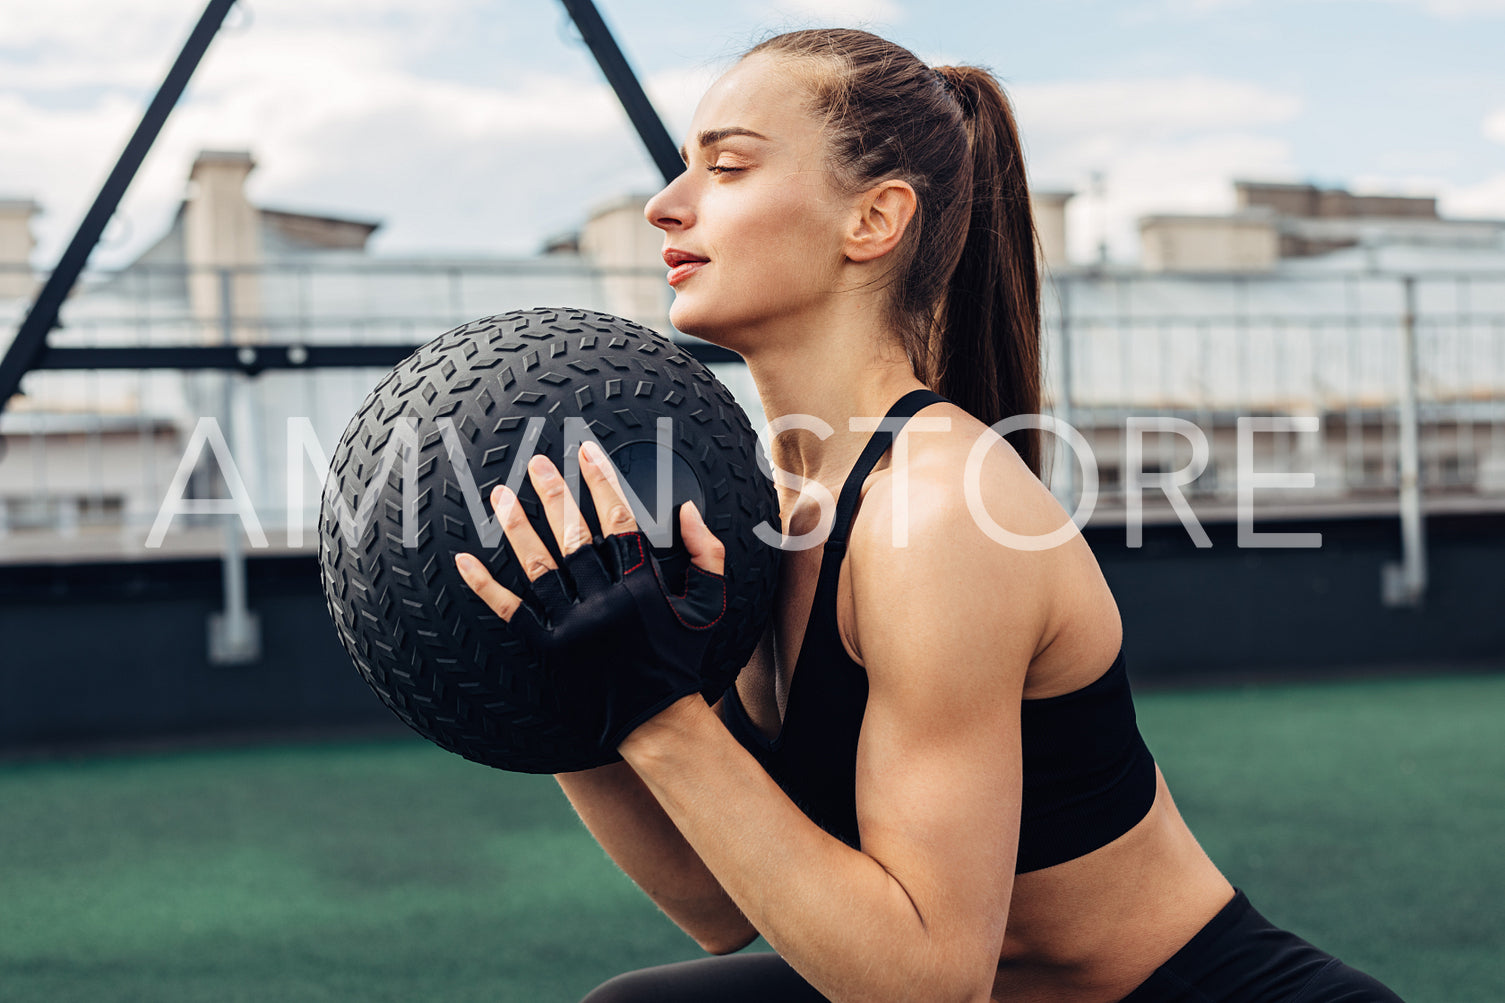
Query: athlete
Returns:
{"type": "Point", "coordinates": [928, 783]}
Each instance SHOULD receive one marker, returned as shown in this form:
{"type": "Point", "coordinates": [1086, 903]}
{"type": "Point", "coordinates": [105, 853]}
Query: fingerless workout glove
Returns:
{"type": "Point", "coordinates": [620, 645]}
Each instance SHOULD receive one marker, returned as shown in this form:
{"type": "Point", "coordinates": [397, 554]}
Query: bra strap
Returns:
{"type": "Point", "coordinates": [904, 407]}
{"type": "Point", "coordinates": [821, 638]}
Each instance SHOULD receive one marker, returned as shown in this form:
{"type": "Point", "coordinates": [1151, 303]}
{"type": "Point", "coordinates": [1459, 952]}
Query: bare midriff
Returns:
{"type": "Point", "coordinates": [1091, 929]}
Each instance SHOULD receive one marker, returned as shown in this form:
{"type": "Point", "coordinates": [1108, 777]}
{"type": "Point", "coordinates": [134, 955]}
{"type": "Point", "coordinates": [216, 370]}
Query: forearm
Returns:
{"type": "Point", "coordinates": [833, 912]}
{"type": "Point", "coordinates": [633, 829]}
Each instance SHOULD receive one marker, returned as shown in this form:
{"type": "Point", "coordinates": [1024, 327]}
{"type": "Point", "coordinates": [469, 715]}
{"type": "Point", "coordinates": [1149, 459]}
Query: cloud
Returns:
{"type": "Point", "coordinates": [328, 97]}
{"type": "Point", "coordinates": [1150, 106]}
{"type": "Point", "coordinates": [1161, 145]}
{"type": "Point", "coordinates": [1494, 126]}
{"type": "Point", "coordinates": [57, 156]}
{"type": "Point", "coordinates": [1446, 9]}
{"type": "Point", "coordinates": [845, 12]}
{"type": "Point", "coordinates": [339, 122]}
{"type": "Point", "coordinates": [1458, 8]}
{"type": "Point", "coordinates": [1485, 200]}
{"type": "Point", "coordinates": [675, 93]}
{"type": "Point", "coordinates": [68, 44]}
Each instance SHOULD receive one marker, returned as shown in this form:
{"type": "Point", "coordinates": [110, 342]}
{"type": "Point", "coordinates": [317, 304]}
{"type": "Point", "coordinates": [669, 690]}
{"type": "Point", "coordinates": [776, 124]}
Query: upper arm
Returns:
{"type": "Point", "coordinates": [947, 626]}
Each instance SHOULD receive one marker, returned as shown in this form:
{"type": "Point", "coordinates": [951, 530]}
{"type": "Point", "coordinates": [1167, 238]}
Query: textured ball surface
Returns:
{"type": "Point", "coordinates": [407, 491]}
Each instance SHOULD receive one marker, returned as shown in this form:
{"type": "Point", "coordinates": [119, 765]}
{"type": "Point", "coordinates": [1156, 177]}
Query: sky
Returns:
{"type": "Point", "coordinates": [484, 126]}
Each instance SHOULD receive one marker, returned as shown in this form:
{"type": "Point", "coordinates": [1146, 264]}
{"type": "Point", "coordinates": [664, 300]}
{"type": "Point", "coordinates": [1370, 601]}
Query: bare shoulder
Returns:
{"type": "Point", "coordinates": [966, 491]}
{"type": "Point", "coordinates": [926, 549]}
{"type": "Point", "coordinates": [960, 512]}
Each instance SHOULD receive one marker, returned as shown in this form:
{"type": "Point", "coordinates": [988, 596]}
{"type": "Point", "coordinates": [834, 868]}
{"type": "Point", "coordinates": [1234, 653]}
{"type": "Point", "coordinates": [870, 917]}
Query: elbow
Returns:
{"type": "Point", "coordinates": [959, 982]}
{"type": "Point", "coordinates": [972, 992]}
{"type": "Point", "coordinates": [729, 936]}
{"type": "Point", "coordinates": [969, 993]}
{"type": "Point", "coordinates": [726, 944]}
{"type": "Point", "coordinates": [982, 992]}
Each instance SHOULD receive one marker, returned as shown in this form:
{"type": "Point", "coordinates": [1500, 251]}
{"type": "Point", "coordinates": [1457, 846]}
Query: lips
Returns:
{"type": "Point", "coordinates": [682, 264]}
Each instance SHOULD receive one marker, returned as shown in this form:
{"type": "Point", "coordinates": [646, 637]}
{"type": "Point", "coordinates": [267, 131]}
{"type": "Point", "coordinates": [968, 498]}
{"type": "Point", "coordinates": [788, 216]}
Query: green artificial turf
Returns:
{"type": "Point", "coordinates": [1364, 816]}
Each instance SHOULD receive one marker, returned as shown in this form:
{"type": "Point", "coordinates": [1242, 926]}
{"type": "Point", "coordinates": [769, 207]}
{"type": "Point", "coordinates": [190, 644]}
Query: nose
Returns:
{"type": "Point", "coordinates": [670, 208]}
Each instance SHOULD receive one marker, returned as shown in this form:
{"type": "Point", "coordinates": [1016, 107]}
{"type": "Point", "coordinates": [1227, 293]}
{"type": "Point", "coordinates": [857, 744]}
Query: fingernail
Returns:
{"type": "Point", "coordinates": [594, 454]}
{"type": "Point", "coordinates": [466, 563]}
{"type": "Point", "coordinates": [540, 466]}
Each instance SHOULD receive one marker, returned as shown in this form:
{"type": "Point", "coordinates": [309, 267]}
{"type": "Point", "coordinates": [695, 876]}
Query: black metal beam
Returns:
{"type": "Point", "coordinates": [31, 338]}
{"type": "Point", "coordinates": [253, 359]}
{"type": "Point", "coordinates": [619, 74]}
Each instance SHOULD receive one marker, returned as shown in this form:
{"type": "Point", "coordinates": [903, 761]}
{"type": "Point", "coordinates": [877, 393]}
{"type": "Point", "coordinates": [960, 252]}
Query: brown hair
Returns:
{"type": "Point", "coordinates": [966, 293]}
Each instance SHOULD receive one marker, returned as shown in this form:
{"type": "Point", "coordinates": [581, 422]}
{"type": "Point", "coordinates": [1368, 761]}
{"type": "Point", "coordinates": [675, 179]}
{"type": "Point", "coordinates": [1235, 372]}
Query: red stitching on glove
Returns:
{"type": "Point", "coordinates": [715, 619]}
{"type": "Point", "coordinates": [637, 540]}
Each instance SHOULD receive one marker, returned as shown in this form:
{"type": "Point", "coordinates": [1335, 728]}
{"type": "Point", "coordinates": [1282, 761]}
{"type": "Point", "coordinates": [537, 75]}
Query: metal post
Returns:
{"type": "Point", "coordinates": [234, 633]}
{"type": "Point", "coordinates": [1064, 411]}
{"type": "Point", "coordinates": [1405, 583]}
{"type": "Point", "coordinates": [624, 82]}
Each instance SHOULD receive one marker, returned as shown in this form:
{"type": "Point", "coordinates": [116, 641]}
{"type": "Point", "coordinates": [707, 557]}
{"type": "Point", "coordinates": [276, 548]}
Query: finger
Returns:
{"type": "Point", "coordinates": [612, 509]}
{"type": "Point", "coordinates": [563, 514]}
{"type": "Point", "coordinates": [531, 554]}
{"type": "Point", "coordinates": [502, 602]}
{"type": "Point", "coordinates": [706, 551]}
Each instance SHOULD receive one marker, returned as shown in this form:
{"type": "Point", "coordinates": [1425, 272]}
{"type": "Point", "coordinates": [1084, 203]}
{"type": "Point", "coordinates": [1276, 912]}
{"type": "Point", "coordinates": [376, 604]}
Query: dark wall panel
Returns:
{"type": "Point", "coordinates": [1218, 611]}
{"type": "Point", "coordinates": [119, 651]}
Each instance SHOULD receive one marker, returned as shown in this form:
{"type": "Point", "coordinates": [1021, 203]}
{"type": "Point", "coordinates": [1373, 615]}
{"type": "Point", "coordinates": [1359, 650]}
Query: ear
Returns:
{"type": "Point", "coordinates": [883, 214]}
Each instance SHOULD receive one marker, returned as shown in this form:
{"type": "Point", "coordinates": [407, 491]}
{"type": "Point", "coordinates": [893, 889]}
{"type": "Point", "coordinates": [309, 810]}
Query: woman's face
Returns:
{"type": "Point", "coordinates": [753, 229]}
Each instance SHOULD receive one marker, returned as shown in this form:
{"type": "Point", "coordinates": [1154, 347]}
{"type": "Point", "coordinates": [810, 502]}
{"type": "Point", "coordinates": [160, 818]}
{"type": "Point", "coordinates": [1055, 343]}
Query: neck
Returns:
{"type": "Point", "coordinates": [854, 368]}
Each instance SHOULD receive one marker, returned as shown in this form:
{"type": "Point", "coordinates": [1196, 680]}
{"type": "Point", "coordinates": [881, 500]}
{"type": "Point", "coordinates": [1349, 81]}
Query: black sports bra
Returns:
{"type": "Point", "coordinates": [1088, 776]}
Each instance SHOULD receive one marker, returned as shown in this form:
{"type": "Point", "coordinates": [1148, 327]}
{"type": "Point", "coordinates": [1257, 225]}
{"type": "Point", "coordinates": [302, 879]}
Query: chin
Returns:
{"type": "Point", "coordinates": [686, 322]}
{"type": "Point", "coordinates": [721, 328]}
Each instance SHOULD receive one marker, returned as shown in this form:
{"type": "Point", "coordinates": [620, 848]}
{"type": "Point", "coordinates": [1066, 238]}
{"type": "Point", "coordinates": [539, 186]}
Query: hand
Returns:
{"type": "Point", "coordinates": [617, 641]}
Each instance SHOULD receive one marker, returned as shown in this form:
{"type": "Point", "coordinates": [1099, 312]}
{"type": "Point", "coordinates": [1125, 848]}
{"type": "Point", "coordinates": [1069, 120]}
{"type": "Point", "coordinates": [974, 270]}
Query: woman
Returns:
{"type": "Point", "coordinates": [954, 803]}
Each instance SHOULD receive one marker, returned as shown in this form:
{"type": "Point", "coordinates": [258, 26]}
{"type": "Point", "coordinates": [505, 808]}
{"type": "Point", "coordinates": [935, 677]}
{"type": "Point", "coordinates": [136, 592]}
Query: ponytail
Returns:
{"type": "Point", "coordinates": [987, 331]}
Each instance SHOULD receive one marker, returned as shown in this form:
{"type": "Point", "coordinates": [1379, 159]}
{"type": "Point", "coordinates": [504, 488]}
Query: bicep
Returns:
{"type": "Point", "coordinates": [939, 784]}
{"type": "Point", "coordinates": [947, 641]}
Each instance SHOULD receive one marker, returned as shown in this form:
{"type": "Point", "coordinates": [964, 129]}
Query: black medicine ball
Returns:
{"type": "Point", "coordinates": [408, 488]}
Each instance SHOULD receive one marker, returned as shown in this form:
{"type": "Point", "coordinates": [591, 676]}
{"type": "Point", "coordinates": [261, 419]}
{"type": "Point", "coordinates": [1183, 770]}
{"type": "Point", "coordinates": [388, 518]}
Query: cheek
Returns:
{"type": "Point", "coordinates": [790, 233]}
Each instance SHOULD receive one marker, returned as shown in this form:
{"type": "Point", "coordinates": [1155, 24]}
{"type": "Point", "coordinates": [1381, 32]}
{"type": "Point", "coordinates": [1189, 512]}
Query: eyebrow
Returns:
{"type": "Point", "coordinates": [711, 137]}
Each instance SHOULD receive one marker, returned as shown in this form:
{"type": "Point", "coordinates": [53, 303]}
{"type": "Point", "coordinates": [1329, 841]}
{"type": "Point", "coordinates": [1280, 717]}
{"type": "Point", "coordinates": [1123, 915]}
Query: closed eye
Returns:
{"type": "Point", "coordinates": [717, 168]}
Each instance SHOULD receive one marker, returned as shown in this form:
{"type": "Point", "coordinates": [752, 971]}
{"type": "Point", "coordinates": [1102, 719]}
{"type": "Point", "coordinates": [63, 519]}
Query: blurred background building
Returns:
{"type": "Point", "coordinates": [1296, 304]}
{"type": "Point", "coordinates": [1370, 318]}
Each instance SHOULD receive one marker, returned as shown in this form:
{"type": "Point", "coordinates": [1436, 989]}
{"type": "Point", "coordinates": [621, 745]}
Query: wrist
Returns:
{"type": "Point", "coordinates": [675, 724]}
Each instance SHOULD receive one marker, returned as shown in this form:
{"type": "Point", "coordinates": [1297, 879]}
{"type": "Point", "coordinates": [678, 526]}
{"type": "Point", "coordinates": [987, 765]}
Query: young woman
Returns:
{"type": "Point", "coordinates": [928, 783]}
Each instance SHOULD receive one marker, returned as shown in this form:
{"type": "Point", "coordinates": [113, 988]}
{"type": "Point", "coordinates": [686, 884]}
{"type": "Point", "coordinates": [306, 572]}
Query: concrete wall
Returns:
{"type": "Point", "coordinates": [618, 237]}
{"type": "Point", "coordinates": [87, 472]}
{"type": "Point", "coordinates": [113, 652]}
{"type": "Point", "coordinates": [301, 231]}
{"type": "Point", "coordinates": [1049, 209]}
{"type": "Point", "coordinates": [1208, 243]}
{"type": "Point", "coordinates": [16, 245]}
{"type": "Point", "coordinates": [1309, 201]}
{"type": "Point", "coordinates": [98, 652]}
{"type": "Point", "coordinates": [221, 228]}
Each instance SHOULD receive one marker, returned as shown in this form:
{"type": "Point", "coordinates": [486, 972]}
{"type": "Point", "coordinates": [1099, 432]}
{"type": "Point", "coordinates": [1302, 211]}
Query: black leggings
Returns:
{"type": "Point", "coordinates": [1238, 957]}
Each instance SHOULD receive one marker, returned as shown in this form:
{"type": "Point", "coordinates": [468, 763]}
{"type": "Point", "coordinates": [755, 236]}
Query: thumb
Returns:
{"type": "Point", "coordinates": [706, 552]}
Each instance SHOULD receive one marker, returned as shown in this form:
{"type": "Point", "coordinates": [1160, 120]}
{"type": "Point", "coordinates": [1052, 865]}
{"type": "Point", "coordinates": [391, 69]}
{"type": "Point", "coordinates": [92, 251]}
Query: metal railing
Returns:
{"type": "Point", "coordinates": [95, 450]}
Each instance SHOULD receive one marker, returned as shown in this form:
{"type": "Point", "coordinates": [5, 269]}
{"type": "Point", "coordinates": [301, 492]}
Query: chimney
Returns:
{"type": "Point", "coordinates": [222, 229]}
{"type": "Point", "coordinates": [1049, 210]}
{"type": "Point", "coordinates": [617, 239]}
{"type": "Point", "coordinates": [16, 245]}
